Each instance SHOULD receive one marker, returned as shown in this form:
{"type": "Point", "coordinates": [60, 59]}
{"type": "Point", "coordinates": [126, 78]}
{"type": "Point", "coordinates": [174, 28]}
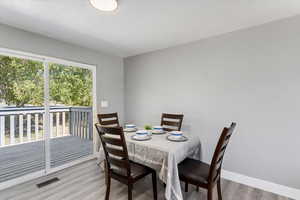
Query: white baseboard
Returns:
{"type": "Point", "coordinates": [23, 179]}
{"type": "Point", "coordinates": [263, 185]}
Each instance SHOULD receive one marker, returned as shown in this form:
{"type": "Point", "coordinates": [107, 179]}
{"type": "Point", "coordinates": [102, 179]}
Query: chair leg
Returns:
{"type": "Point", "coordinates": [106, 173]}
{"type": "Point", "coordinates": [219, 189]}
{"type": "Point", "coordinates": [186, 188]}
{"type": "Point", "coordinates": [210, 193]}
{"type": "Point", "coordinates": [154, 184]}
{"type": "Point", "coordinates": [108, 182]}
{"type": "Point", "coordinates": [130, 192]}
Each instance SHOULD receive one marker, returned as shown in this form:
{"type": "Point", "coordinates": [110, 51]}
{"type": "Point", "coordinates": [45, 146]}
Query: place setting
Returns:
{"type": "Point", "coordinates": [130, 128]}
{"type": "Point", "coordinates": [176, 136]}
{"type": "Point", "coordinates": [158, 130]}
{"type": "Point", "coordinates": [141, 135]}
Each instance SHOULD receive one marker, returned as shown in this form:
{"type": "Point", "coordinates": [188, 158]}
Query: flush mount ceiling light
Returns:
{"type": "Point", "coordinates": [105, 5]}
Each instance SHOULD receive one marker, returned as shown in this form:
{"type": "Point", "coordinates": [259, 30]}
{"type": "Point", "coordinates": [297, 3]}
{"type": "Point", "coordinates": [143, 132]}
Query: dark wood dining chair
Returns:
{"type": "Point", "coordinates": [204, 175]}
{"type": "Point", "coordinates": [119, 167]}
{"type": "Point", "coordinates": [171, 122]}
{"type": "Point", "coordinates": [109, 119]}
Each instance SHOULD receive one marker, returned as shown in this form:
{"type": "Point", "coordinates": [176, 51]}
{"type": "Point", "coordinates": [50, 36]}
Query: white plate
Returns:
{"type": "Point", "coordinates": [176, 132]}
{"type": "Point", "coordinates": [130, 129]}
{"type": "Point", "coordinates": [158, 132]}
{"type": "Point", "coordinates": [177, 139]}
{"type": "Point", "coordinates": [137, 138]}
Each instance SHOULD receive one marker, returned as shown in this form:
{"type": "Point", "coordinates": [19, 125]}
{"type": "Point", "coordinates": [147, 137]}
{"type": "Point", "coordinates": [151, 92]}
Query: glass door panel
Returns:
{"type": "Point", "coordinates": [22, 113]}
{"type": "Point", "coordinates": [71, 135]}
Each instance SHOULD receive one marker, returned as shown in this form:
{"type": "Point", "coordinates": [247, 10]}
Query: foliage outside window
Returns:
{"type": "Point", "coordinates": [22, 83]}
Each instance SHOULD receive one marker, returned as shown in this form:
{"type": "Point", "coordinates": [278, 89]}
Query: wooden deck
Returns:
{"type": "Point", "coordinates": [19, 160]}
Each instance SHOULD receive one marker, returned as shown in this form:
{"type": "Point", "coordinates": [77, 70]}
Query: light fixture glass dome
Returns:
{"type": "Point", "coordinates": [105, 5]}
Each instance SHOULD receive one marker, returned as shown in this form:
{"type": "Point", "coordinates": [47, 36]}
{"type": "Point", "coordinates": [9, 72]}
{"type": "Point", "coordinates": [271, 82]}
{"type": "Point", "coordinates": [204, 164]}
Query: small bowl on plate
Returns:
{"type": "Point", "coordinates": [130, 127]}
{"type": "Point", "coordinates": [142, 134]}
{"type": "Point", "coordinates": [157, 129]}
{"type": "Point", "coordinates": [176, 134]}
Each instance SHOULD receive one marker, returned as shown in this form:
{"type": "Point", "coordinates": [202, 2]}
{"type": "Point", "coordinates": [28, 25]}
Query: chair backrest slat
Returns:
{"type": "Point", "coordinates": [112, 141]}
{"type": "Point", "coordinates": [221, 154]}
{"type": "Point", "coordinates": [110, 130]}
{"type": "Point", "coordinates": [171, 122]}
{"type": "Point", "coordinates": [109, 115]}
{"type": "Point", "coordinates": [217, 161]}
{"type": "Point", "coordinates": [115, 152]}
{"type": "Point", "coordinates": [110, 122]}
{"type": "Point", "coordinates": [114, 146]}
{"type": "Point", "coordinates": [168, 129]}
{"type": "Point", "coordinates": [109, 119]}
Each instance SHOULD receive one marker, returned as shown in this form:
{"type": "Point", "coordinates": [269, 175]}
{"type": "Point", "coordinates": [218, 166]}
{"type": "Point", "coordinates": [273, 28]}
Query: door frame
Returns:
{"type": "Point", "coordinates": [45, 60]}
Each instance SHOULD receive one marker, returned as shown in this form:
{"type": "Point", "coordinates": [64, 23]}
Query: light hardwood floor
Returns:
{"type": "Point", "coordinates": [86, 182]}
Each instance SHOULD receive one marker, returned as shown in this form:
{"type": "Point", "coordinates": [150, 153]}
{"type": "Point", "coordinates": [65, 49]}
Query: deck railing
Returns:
{"type": "Point", "coordinates": [21, 125]}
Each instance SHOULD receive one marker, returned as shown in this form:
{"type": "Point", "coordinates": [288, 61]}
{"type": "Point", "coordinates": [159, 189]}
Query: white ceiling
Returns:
{"type": "Point", "coordinates": [140, 26]}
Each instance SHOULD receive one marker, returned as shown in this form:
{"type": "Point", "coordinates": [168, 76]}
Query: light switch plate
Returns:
{"type": "Point", "coordinates": [104, 104]}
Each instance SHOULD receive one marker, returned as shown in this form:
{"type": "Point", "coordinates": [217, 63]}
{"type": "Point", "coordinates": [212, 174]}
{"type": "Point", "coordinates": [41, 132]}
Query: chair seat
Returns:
{"type": "Point", "coordinates": [194, 171]}
{"type": "Point", "coordinates": [137, 171]}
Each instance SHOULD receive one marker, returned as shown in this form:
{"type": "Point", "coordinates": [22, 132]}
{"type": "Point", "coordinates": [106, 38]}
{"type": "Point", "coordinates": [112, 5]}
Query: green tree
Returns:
{"type": "Point", "coordinates": [70, 85]}
{"type": "Point", "coordinates": [22, 82]}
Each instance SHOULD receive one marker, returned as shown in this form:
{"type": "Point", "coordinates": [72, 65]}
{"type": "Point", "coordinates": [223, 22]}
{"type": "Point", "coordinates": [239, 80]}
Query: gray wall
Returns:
{"type": "Point", "coordinates": [110, 75]}
{"type": "Point", "coordinates": [251, 77]}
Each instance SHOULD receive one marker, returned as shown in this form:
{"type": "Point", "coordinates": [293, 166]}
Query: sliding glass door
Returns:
{"type": "Point", "coordinates": [71, 132]}
{"type": "Point", "coordinates": [22, 114]}
{"type": "Point", "coordinates": [46, 115]}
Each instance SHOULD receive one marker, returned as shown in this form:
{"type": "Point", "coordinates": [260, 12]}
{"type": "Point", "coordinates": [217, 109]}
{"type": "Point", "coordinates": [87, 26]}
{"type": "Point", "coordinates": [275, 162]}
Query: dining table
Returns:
{"type": "Point", "coordinates": [164, 155]}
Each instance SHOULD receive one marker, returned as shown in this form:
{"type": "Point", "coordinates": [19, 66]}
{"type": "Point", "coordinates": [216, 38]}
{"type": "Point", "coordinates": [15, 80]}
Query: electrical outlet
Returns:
{"type": "Point", "coordinates": [104, 104]}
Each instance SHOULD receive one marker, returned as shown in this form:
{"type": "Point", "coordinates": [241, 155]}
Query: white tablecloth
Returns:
{"type": "Point", "coordinates": [163, 155]}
